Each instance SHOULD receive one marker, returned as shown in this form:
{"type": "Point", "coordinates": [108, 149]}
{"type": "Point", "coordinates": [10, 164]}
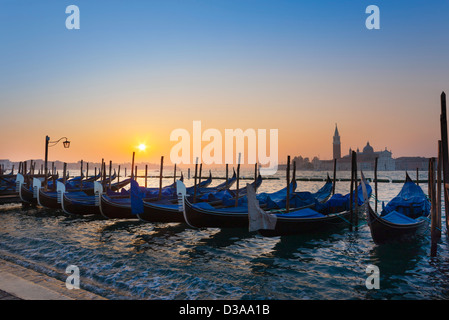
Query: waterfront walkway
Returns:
{"type": "Point", "coordinates": [20, 283]}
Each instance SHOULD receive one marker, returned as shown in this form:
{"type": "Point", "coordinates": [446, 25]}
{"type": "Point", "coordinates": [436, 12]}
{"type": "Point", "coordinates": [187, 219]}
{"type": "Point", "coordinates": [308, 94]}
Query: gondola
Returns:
{"type": "Point", "coordinates": [203, 189]}
{"type": "Point", "coordinates": [26, 189]}
{"type": "Point", "coordinates": [228, 184]}
{"type": "Point", "coordinates": [73, 185]}
{"type": "Point", "coordinates": [116, 208]}
{"type": "Point", "coordinates": [333, 214]}
{"type": "Point", "coordinates": [167, 210]}
{"type": "Point", "coordinates": [98, 176]}
{"type": "Point", "coordinates": [80, 203]}
{"type": "Point", "coordinates": [221, 194]}
{"type": "Point", "coordinates": [7, 179]}
{"type": "Point", "coordinates": [8, 185]}
{"type": "Point", "coordinates": [204, 215]}
{"type": "Point", "coordinates": [403, 219]}
{"type": "Point", "coordinates": [26, 194]}
{"type": "Point", "coordinates": [29, 190]}
{"type": "Point", "coordinates": [119, 207]}
{"type": "Point", "coordinates": [49, 198]}
{"type": "Point", "coordinates": [10, 174]}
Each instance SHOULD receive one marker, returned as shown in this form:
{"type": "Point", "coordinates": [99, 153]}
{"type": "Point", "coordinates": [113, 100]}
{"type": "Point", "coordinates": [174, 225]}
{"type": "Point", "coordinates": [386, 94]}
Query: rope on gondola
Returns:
{"type": "Point", "coordinates": [274, 211]}
{"type": "Point", "coordinates": [374, 198]}
{"type": "Point", "coordinates": [349, 222]}
{"type": "Point", "coordinates": [430, 221]}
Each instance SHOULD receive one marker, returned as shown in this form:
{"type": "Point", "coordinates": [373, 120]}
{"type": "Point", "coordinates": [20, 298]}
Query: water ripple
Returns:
{"type": "Point", "coordinates": [136, 260]}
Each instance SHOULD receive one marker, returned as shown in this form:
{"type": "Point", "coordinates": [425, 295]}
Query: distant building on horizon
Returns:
{"type": "Point", "coordinates": [336, 145]}
{"type": "Point", "coordinates": [366, 159]}
{"type": "Point", "coordinates": [5, 164]}
{"type": "Point", "coordinates": [412, 163]}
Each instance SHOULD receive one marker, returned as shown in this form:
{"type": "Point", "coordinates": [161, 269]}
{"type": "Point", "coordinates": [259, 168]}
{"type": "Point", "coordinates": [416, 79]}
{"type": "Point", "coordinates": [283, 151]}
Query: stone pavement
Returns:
{"type": "Point", "coordinates": [20, 283]}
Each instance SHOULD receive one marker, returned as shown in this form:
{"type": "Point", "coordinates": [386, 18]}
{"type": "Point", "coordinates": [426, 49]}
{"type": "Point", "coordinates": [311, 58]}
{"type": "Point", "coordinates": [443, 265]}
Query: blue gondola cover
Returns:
{"type": "Point", "coordinates": [136, 198]}
{"type": "Point", "coordinates": [411, 201]}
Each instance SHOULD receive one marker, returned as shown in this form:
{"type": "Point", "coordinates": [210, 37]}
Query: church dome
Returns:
{"type": "Point", "coordinates": [368, 149]}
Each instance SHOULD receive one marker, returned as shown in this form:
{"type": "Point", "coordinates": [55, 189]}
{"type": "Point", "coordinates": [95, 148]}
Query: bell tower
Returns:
{"type": "Point", "coordinates": [336, 144]}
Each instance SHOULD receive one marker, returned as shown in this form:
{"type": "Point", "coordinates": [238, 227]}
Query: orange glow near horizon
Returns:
{"type": "Point", "coordinates": [285, 67]}
{"type": "Point", "coordinates": [308, 137]}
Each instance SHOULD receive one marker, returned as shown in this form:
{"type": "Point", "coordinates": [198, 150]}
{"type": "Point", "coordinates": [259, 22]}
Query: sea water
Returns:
{"type": "Point", "coordinates": [126, 259]}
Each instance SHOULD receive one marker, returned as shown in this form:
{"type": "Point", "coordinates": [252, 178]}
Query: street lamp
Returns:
{"type": "Point", "coordinates": [66, 143]}
{"type": "Point", "coordinates": [49, 143]}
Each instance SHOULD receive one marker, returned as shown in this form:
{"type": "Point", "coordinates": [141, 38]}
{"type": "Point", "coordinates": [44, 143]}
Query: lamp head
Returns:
{"type": "Point", "coordinates": [66, 143]}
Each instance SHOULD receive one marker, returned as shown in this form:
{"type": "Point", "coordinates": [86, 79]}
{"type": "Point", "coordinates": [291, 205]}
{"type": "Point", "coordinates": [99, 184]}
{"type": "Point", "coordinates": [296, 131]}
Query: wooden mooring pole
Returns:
{"type": "Point", "coordinates": [132, 166]}
{"type": "Point", "coordinates": [375, 182]}
{"type": "Point", "coordinates": [81, 174]}
{"type": "Point", "coordinates": [351, 196]}
{"type": "Point", "coordinates": [433, 211]}
{"type": "Point", "coordinates": [227, 175]}
{"type": "Point", "coordinates": [438, 195]}
{"type": "Point", "coordinates": [194, 183]}
{"type": "Point", "coordinates": [356, 195]}
{"type": "Point", "coordinates": [110, 173]}
{"type": "Point", "coordinates": [160, 177]}
{"type": "Point", "coordinates": [444, 153]}
{"type": "Point", "coordinates": [174, 174]}
{"type": "Point", "coordinates": [146, 175]}
{"type": "Point", "coordinates": [64, 174]}
{"type": "Point", "coordinates": [335, 176]}
{"type": "Point", "coordinates": [101, 172]}
{"type": "Point", "coordinates": [255, 177]}
{"type": "Point", "coordinates": [238, 178]}
{"type": "Point", "coordinates": [294, 174]}
{"type": "Point", "coordinates": [429, 185]}
{"type": "Point", "coordinates": [287, 204]}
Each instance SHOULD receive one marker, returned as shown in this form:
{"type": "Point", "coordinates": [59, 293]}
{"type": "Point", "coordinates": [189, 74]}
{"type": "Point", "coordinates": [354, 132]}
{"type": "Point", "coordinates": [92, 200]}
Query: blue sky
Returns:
{"type": "Point", "coordinates": [300, 66]}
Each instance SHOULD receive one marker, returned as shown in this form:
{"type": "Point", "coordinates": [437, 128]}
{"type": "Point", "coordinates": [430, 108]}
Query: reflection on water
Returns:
{"type": "Point", "coordinates": [136, 260]}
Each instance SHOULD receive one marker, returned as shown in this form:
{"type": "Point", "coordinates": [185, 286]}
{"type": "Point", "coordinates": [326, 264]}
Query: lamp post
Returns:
{"type": "Point", "coordinates": [49, 143]}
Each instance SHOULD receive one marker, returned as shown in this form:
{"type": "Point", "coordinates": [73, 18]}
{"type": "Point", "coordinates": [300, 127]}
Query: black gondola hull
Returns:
{"type": "Point", "coordinates": [292, 226]}
{"type": "Point", "coordinates": [113, 210]}
{"type": "Point", "coordinates": [202, 218]}
{"type": "Point", "coordinates": [383, 231]}
{"type": "Point", "coordinates": [48, 200]}
{"type": "Point", "coordinates": [91, 191]}
{"type": "Point", "coordinates": [80, 208]}
{"type": "Point", "coordinates": [26, 195]}
{"type": "Point", "coordinates": [154, 213]}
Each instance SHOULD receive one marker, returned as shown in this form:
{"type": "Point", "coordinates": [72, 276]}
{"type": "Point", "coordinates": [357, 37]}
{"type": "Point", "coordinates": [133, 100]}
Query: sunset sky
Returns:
{"type": "Point", "coordinates": [137, 70]}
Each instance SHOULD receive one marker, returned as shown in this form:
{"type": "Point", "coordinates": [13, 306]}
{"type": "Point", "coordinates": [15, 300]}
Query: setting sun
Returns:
{"type": "Point", "coordinates": [142, 147]}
